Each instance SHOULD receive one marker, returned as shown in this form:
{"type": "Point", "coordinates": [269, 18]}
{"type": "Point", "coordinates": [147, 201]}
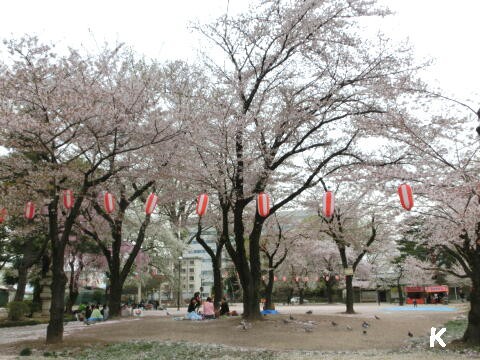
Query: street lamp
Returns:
{"type": "Point", "coordinates": [179, 282]}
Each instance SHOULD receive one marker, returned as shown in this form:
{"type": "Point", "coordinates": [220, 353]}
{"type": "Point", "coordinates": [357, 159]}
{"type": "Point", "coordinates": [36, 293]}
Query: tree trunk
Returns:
{"type": "Point", "coordinates": [401, 300]}
{"type": "Point", "coordinates": [472, 334]}
{"type": "Point", "coordinates": [217, 280]}
{"type": "Point", "coordinates": [269, 291]}
{"type": "Point", "coordinates": [329, 286]}
{"type": "Point", "coordinates": [301, 295]}
{"type": "Point", "coordinates": [22, 283]}
{"type": "Point", "coordinates": [115, 297]}
{"type": "Point", "coordinates": [349, 299]}
{"type": "Point", "coordinates": [59, 280]}
{"type": "Point", "coordinates": [251, 303]}
{"type": "Point", "coordinates": [72, 298]}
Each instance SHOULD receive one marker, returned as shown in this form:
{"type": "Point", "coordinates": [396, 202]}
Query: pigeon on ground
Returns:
{"type": "Point", "coordinates": [364, 332]}
{"type": "Point", "coordinates": [291, 317]}
{"type": "Point", "coordinates": [309, 312]}
{"type": "Point", "coordinates": [168, 314]}
{"type": "Point", "coordinates": [410, 334]}
{"type": "Point", "coordinates": [334, 323]}
{"type": "Point", "coordinates": [377, 317]}
{"type": "Point", "coordinates": [285, 321]}
{"type": "Point", "coordinates": [365, 324]}
{"type": "Point", "coordinates": [349, 328]}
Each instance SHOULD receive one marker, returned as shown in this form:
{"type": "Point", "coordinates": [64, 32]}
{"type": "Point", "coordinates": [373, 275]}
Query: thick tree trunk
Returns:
{"type": "Point", "coordinates": [59, 280]}
{"type": "Point", "coordinates": [22, 283]}
{"type": "Point", "coordinates": [72, 297]}
{"type": "Point", "coordinates": [472, 334]}
{"type": "Point", "coordinates": [301, 295]}
{"type": "Point", "coordinates": [349, 298]}
{"type": "Point", "coordinates": [217, 280]}
{"type": "Point", "coordinates": [115, 297]}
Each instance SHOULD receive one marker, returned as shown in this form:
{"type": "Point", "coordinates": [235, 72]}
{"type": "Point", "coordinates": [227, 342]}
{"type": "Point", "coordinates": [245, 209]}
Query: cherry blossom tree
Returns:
{"type": "Point", "coordinates": [297, 88]}
{"type": "Point", "coordinates": [79, 116]}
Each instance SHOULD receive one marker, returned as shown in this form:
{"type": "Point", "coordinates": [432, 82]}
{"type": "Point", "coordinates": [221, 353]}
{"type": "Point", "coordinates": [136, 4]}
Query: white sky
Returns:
{"type": "Point", "coordinates": [444, 30]}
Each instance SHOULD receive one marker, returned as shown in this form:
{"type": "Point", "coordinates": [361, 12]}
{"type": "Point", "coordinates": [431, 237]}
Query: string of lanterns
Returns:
{"type": "Point", "coordinates": [263, 203]}
{"type": "Point", "coordinates": [304, 278]}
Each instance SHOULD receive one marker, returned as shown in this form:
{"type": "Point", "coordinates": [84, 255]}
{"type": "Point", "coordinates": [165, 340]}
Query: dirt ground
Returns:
{"type": "Point", "coordinates": [275, 332]}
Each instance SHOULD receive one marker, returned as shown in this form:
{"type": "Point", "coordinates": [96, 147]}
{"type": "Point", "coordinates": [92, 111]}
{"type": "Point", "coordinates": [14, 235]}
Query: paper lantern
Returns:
{"type": "Point", "coordinates": [263, 204]}
{"type": "Point", "coordinates": [284, 278]}
{"type": "Point", "coordinates": [3, 215]}
{"type": "Point", "coordinates": [275, 278]}
{"type": "Point", "coordinates": [305, 278]}
{"type": "Point", "coordinates": [406, 196]}
{"type": "Point", "coordinates": [202, 203]}
{"type": "Point", "coordinates": [151, 203]}
{"type": "Point", "coordinates": [297, 279]}
{"type": "Point", "coordinates": [44, 210]}
{"type": "Point", "coordinates": [109, 202]}
{"type": "Point", "coordinates": [327, 278]}
{"type": "Point", "coordinates": [337, 277]}
{"type": "Point", "coordinates": [263, 277]}
{"type": "Point", "coordinates": [328, 204]}
{"type": "Point", "coordinates": [30, 210]}
{"type": "Point", "coordinates": [68, 199]}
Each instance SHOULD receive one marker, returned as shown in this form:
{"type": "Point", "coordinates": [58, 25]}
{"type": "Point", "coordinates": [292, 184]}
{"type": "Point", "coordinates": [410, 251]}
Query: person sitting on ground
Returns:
{"type": "Point", "coordinates": [95, 316]}
{"type": "Point", "coordinates": [224, 309]}
{"type": "Point", "coordinates": [191, 313]}
{"type": "Point", "coordinates": [208, 310]}
{"type": "Point", "coordinates": [88, 312]}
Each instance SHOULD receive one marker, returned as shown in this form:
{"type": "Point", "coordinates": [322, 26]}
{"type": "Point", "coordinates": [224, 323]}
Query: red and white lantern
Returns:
{"type": "Point", "coordinates": [3, 215]}
{"type": "Point", "coordinates": [29, 210]}
{"type": "Point", "coordinates": [68, 199]}
{"type": "Point", "coordinates": [263, 204]}
{"type": "Point", "coordinates": [327, 278]}
{"type": "Point", "coordinates": [151, 203]}
{"type": "Point", "coordinates": [275, 278]}
{"type": "Point", "coordinates": [328, 205]}
{"type": "Point", "coordinates": [202, 203]}
{"type": "Point", "coordinates": [337, 277]}
{"type": "Point", "coordinates": [109, 202]}
{"type": "Point", "coordinates": [406, 196]}
{"type": "Point", "coordinates": [284, 278]}
{"type": "Point", "coordinates": [305, 279]}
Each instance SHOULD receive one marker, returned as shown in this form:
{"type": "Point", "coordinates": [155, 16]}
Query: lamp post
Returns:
{"type": "Point", "coordinates": [179, 282]}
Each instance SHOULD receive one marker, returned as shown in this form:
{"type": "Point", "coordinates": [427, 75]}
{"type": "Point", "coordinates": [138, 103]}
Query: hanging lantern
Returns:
{"type": "Point", "coordinates": [406, 196]}
{"type": "Point", "coordinates": [151, 203]}
{"type": "Point", "coordinates": [202, 203]}
{"type": "Point", "coordinates": [337, 277]}
{"type": "Point", "coordinates": [68, 199]}
{"type": "Point", "coordinates": [317, 278]}
{"type": "Point", "coordinates": [263, 277]}
{"type": "Point", "coordinates": [263, 204]}
{"type": "Point", "coordinates": [305, 278]}
{"type": "Point", "coordinates": [29, 210]}
{"type": "Point", "coordinates": [327, 278]}
{"type": "Point", "coordinates": [297, 279]}
{"type": "Point", "coordinates": [109, 202]}
{"type": "Point", "coordinates": [275, 278]}
{"type": "Point", "coordinates": [328, 204]}
{"type": "Point", "coordinates": [3, 215]}
{"type": "Point", "coordinates": [284, 278]}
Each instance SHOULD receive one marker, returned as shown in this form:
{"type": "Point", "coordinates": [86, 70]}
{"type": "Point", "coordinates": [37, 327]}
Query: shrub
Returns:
{"type": "Point", "coordinates": [17, 310]}
{"type": "Point", "coordinates": [26, 352]}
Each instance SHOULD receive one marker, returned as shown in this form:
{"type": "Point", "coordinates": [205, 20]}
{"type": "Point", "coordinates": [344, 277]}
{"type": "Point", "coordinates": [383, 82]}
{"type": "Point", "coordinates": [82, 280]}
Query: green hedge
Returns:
{"type": "Point", "coordinates": [17, 310]}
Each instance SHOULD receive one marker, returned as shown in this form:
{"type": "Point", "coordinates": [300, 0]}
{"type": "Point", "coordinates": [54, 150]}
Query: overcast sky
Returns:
{"type": "Point", "coordinates": [444, 30]}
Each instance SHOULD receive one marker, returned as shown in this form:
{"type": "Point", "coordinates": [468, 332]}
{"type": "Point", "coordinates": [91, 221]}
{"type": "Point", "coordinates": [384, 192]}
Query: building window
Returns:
{"type": "Point", "coordinates": [192, 269]}
{"type": "Point", "coordinates": [192, 262]}
{"type": "Point", "coordinates": [192, 278]}
{"type": "Point", "coordinates": [191, 286]}
{"type": "Point", "coordinates": [184, 270]}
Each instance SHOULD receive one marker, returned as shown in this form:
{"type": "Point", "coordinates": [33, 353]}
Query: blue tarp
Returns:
{"type": "Point", "coordinates": [268, 312]}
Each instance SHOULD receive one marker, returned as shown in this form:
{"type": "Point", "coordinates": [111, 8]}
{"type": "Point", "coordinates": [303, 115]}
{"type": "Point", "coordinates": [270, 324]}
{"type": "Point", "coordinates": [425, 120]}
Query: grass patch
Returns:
{"type": "Point", "coordinates": [174, 350]}
{"type": "Point", "coordinates": [25, 352]}
{"type": "Point", "coordinates": [9, 323]}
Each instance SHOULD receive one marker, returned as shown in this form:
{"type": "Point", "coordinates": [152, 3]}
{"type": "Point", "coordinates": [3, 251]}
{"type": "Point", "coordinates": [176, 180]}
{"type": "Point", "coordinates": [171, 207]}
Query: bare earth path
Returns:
{"type": "Point", "coordinates": [277, 332]}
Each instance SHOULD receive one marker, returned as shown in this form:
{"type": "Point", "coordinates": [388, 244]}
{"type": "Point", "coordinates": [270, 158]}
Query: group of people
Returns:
{"type": "Point", "coordinates": [92, 313]}
{"type": "Point", "coordinates": [194, 311]}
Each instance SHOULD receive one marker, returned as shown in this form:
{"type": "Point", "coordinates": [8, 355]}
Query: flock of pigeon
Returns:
{"type": "Point", "coordinates": [309, 326]}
